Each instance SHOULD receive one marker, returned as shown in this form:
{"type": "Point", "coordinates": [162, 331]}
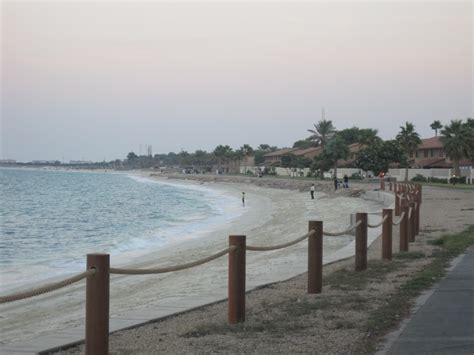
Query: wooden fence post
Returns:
{"type": "Point", "coordinates": [397, 204]}
{"type": "Point", "coordinates": [361, 242]}
{"type": "Point", "coordinates": [387, 234]}
{"type": "Point", "coordinates": [404, 228]}
{"type": "Point", "coordinates": [236, 311]}
{"type": "Point", "coordinates": [417, 215]}
{"type": "Point", "coordinates": [411, 221]}
{"type": "Point", "coordinates": [97, 305]}
{"type": "Point", "coordinates": [315, 257]}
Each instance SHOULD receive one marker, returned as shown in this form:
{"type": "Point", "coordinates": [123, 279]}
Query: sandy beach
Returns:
{"type": "Point", "coordinates": [282, 318]}
{"type": "Point", "coordinates": [272, 215]}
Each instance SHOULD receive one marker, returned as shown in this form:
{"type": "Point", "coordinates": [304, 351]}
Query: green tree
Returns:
{"type": "Point", "coordinates": [435, 126]}
{"type": "Point", "coordinates": [458, 140]}
{"type": "Point", "coordinates": [222, 154]}
{"type": "Point", "coordinates": [378, 156]}
{"type": "Point", "coordinates": [336, 149]}
{"type": "Point", "coordinates": [359, 135]}
{"type": "Point", "coordinates": [303, 143]}
{"type": "Point", "coordinates": [322, 132]}
{"type": "Point", "coordinates": [247, 151]}
{"type": "Point", "coordinates": [409, 141]}
{"type": "Point", "coordinates": [131, 156]}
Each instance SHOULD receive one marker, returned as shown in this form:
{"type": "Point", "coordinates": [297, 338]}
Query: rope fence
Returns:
{"type": "Point", "coordinates": [399, 220]}
{"type": "Point", "coordinates": [348, 230]}
{"type": "Point", "coordinates": [46, 288]}
{"type": "Point", "coordinates": [99, 270]}
{"type": "Point", "coordinates": [378, 224]}
{"type": "Point", "coordinates": [164, 270]}
{"type": "Point", "coordinates": [281, 246]}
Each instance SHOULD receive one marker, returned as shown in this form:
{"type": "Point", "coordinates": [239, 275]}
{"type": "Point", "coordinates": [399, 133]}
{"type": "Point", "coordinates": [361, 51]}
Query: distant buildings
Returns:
{"type": "Point", "coordinates": [7, 161]}
{"type": "Point", "coordinates": [430, 154]}
{"type": "Point", "coordinates": [80, 162]}
{"type": "Point", "coordinates": [274, 158]}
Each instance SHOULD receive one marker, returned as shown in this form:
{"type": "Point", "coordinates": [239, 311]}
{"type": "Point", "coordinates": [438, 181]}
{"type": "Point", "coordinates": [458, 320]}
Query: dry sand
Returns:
{"type": "Point", "coordinates": [273, 215]}
{"type": "Point", "coordinates": [282, 318]}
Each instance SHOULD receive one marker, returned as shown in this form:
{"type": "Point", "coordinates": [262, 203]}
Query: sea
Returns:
{"type": "Point", "coordinates": [51, 219]}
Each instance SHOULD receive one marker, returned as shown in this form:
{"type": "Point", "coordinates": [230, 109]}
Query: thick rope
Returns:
{"type": "Point", "coordinates": [399, 220]}
{"type": "Point", "coordinates": [378, 224]}
{"type": "Point", "coordinates": [46, 288]}
{"type": "Point", "coordinates": [171, 268]}
{"type": "Point", "coordinates": [280, 246]}
{"type": "Point", "coordinates": [336, 234]}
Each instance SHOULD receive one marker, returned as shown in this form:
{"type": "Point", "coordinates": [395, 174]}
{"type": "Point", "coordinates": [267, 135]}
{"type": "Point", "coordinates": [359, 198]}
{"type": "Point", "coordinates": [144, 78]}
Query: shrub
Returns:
{"type": "Point", "coordinates": [419, 178]}
{"type": "Point", "coordinates": [442, 181]}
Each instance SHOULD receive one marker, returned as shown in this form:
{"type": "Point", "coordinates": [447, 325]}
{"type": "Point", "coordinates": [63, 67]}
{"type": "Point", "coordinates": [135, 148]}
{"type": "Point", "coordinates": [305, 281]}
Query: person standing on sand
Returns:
{"type": "Point", "coordinates": [346, 182]}
{"type": "Point", "coordinates": [336, 183]}
{"type": "Point", "coordinates": [312, 191]}
{"type": "Point", "coordinates": [243, 199]}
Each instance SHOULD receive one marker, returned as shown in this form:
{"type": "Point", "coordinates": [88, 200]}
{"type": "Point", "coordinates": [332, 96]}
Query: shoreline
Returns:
{"type": "Point", "coordinates": [282, 215]}
{"type": "Point", "coordinates": [282, 318]}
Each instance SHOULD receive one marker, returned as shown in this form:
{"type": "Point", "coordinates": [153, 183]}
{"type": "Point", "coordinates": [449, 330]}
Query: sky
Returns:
{"type": "Point", "coordinates": [95, 80]}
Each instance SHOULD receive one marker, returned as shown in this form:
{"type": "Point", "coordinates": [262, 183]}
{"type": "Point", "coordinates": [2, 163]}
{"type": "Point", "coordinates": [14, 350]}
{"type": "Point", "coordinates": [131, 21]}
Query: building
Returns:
{"type": "Point", "coordinates": [430, 154]}
{"type": "Point", "coordinates": [274, 158]}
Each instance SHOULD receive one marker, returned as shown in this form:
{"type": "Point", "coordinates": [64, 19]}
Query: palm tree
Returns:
{"type": "Point", "coordinates": [436, 125]}
{"type": "Point", "coordinates": [322, 132]}
{"type": "Point", "coordinates": [458, 140]}
{"type": "Point", "coordinates": [409, 141]}
{"type": "Point", "coordinates": [247, 150]}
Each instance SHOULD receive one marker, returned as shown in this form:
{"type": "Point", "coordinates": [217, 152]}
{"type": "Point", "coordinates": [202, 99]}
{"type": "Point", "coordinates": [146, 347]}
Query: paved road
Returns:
{"type": "Point", "coordinates": [444, 324]}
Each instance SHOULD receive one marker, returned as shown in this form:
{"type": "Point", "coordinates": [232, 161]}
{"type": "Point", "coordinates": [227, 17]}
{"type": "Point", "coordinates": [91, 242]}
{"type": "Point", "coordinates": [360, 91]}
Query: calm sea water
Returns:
{"type": "Point", "coordinates": [50, 220]}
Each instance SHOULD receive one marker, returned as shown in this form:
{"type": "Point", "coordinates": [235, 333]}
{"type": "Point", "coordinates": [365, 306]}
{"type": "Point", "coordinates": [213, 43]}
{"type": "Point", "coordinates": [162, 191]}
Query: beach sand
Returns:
{"type": "Point", "coordinates": [269, 327]}
{"type": "Point", "coordinates": [273, 216]}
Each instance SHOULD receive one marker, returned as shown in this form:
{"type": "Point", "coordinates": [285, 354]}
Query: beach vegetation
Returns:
{"type": "Point", "coordinates": [379, 155]}
{"type": "Point", "coordinates": [458, 140]}
{"type": "Point", "coordinates": [323, 131]}
{"type": "Point", "coordinates": [435, 126]}
{"type": "Point", "coordinates": [335, 149]}
{"type": "Point", "coordinates": [359, 135]}
{"type": "Point", "coordinates": [303, 144]}
{"type": "Point", "coordinates": [409, 140]}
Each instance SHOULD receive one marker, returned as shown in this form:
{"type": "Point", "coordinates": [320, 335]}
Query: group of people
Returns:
{"type": "Point", "coordinates": [345, 184]}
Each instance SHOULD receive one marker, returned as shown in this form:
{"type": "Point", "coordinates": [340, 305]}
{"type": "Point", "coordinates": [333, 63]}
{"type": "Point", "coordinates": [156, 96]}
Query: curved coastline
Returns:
{"type": "Point", "coordinates": [277, 215]}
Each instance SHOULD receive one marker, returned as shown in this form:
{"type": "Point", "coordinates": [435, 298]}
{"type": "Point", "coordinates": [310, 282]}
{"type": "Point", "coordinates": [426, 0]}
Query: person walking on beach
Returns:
{"type": "Point", "coordinates": [243, 199]}
{"type": "Point", "coordinates": [312, 191]}
{"type": "Point", "coordinates": [346, 182]}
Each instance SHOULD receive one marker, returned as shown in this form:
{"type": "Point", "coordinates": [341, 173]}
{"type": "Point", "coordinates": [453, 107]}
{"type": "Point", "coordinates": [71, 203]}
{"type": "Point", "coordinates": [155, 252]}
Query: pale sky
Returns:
{"type": "Point", "coordinates": [96, 80]}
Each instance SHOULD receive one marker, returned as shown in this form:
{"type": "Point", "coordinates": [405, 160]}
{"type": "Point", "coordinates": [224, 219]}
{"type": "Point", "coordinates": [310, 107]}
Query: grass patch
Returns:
{"type": "Point", "coordinates": [404, 255]}
{"type": "Point", "coordinates": [353, 281]}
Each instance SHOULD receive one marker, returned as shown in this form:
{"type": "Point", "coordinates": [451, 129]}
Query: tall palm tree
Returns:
{"type": "Point", "coordinates": [436, 125]}
{"type": "Point", "coordinates": [458, 140]}
{"type": "Point", "coordinates": [247, 151]}
{"type": "Point", "coordinates": [409, 141]}
{"type": "Point", "coordinates": [322, 132]}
